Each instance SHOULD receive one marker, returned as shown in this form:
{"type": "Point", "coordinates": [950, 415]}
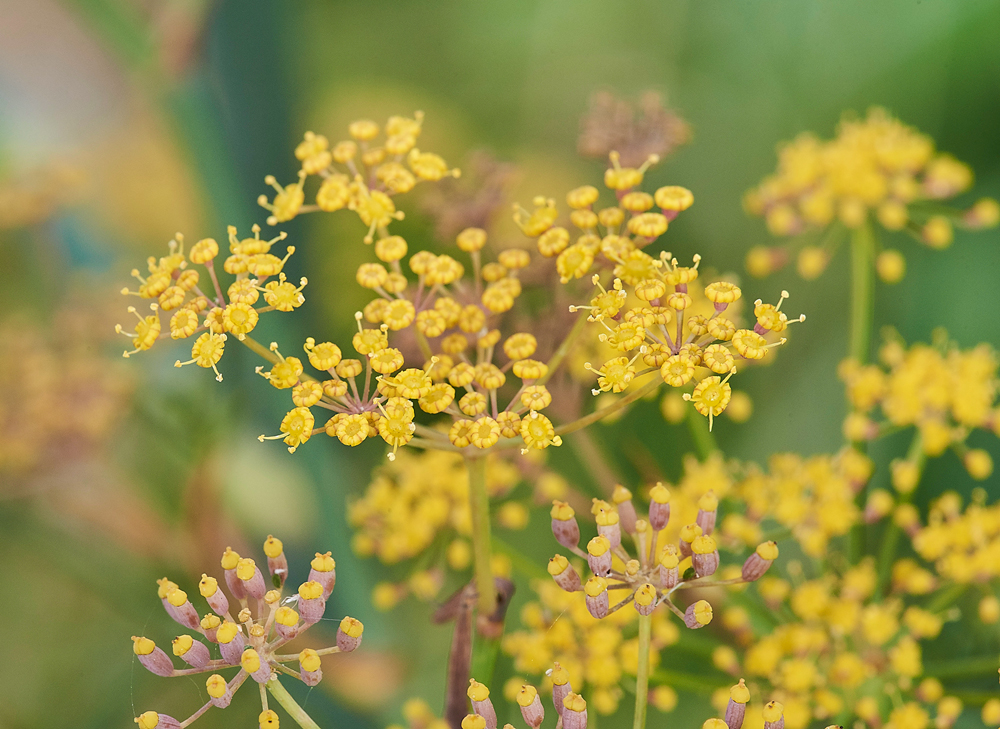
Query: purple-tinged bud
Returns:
{"type": "Point", "coordinates": [180, 608]}
{"type": "Point", "coordinates": [219, 692]}
{"type": "Point", "coordinates": [311, 602]}
{"type": "Point", "coordinates": [311, 667]}
{"type": "Point", "coordinates": [277, 564]}
{"type": "Point", "coordinates": [210, 625]}
{"type": "Point", "coordinates": [216, 598]}
{"type": "Point", "coordinates": [597, 597]}
{"type": "Point", "coordinates": [760, 561]}
{"type": "Point", "coordinates": [560, 686]}
{"type": "Point", "coordinates": [708, 510]}
{"type": "Point", "coordinates": [250, 575]}
{"type": "Point", "coordinates": [773, 714]}
{"type": "Point", "coordinates": [645, 599]}
{"type": "Point", "coordinates": [532, 710]}
{"type": "Point", "coordinates": [622, 498]}
{"type": "Point", "coordinates": [231, 642]}
{"type": "Point", "coordinates": [192, 652]}
{"type": "Point", "coordinates": [608, 526]}
{"type": "Point", "coordinates": [323, 570]}
{"type": "Point", "coordinates": [479, 695]}
{"type": "Point", "coordinates": [564, 526]}
{"type": "Point", "coordinates": [349, 634]}
{"type": "Point", "coordinates": [286, 622]}
{"type": "Point", "coordinates": [688, 534]}
{"type": "Point", "coordinates": [736, 710]}
{"type": "Point", "coordinates": [659, 507]}
{"type": "Point", "coordinates": [574, 714]}
{"type": "Point", "coordinates": [152, 720]}
{"type": "Point", "coordinates": [251, 663]}
{"type": "Point", "coordinates": [704, 556]}
{"type": "Point", "coordinates": [698, 615]}
{"type": "Point", "coordinates": [669, 568]}
{"type": "Point", "coordinates": [564, 574]}
{"type": "Point", "coordinates": [152, 657]}
{"type": "Point", "coordinates": [230, 560]}
{"type": "Point", "coordinates": [599, 555]}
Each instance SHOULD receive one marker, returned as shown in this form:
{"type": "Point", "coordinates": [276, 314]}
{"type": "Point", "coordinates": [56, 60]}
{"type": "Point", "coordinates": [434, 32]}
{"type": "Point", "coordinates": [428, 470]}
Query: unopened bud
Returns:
{"type": "Point", "coordinates": [773, 714]}
{"type": "Point", "coordinates": [311, 667]}
{"type": "Point", "coordinates": [152, 657]}
{"type": "Point", "coordinates": [645, 599]}
{"type": "Point", "coordinates": [210, 624]}
{"type": "Point", "coordinates": [698, 615]}
{"type": "Point", "coordinates": [152, 720]}
{"type": "Point", "coordinates": [479, 695]}
{"type": "Point", "coordinates": [216, 598]}
{"type": "Point", "coordinates": [597, 597]}
{"type": "Point", "coordinates": [192, 652]}
{"type": "Point", "coordinates": [277, 563]}
{"type": "Point", "coordinates": [564, 525]}
{"type": "Point", "coordinates": [219, 692]}
{"type": "Point", "coordinates": [312, 604]}
{"type": "Point", "coordinates": [626, 509]}
{"type": "Point", "coordinates": [659, 507]}
{"type": "Point", "coordinates": [180, 608]}
{"type": "Point", "coordinates": [349, 634]}
{"type": "Point", "coordinates": [531, 706]}
{"type": "Point", "coordinates": [688, 534]}
{"type": "Point", "coordinates": [564, 574]}
{"type": "Point", "coordinates": [561, 687]}
{"type": "Point", "coordinates": [259, 670]}
{"type": "Point", "coordinates": [708, 507]}
{"type": "Point", "coordinates": [669, 571]}
{"type": "Point", "coordinates": [574, 714]}
{"type": "Point", "coordinates": [609, 526]}
{"type": "Point", "coordinates": [599, 555]}
{"type": "Point", "coordinates": [704, 556]}
{"type": "Point", "coordinates": [231, 642]}
{"type": "Point", "coordinates": [323, 570]}
{"type": "Point", "coordinates": [253, 581]}
{"type": "Point", "coordinates": [739, 695]}
{"type": "Point", "coordinates": [229, 561]}
{"type": "Point", "coordinates": [760, 561]}
{"type": "Point", "coordinates": [286, 622]}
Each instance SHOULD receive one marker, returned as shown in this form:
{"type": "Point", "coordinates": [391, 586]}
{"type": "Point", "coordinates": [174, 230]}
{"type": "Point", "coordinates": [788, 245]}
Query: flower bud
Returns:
{"type": "Point", "coordinates": [531, 706]}
{"type": "Point", "coordinates": [704, 556]}
{"type": "Point", "coordinates": [152, 657]}
{"type": "Point", "coordinates": [192, 652]}
{"type": "Point", "coordinates": [251, 663]}
{"type": "Point", "coordinates": [277, 563]}
{"type": "Point", "coordinates": [626, 509]}
{"type": "Point", "coordinates": [659, 507]}
{"type": "Point", "coordinates": [349, 634]}
{"type": "Point", "coordinates": [311, 667]}
{"type": "Point", "coordinates": [608, 526]}
{"type": "Point", "coordinates": [713, 724]}
{"type": "Point", "coordinates": [708, 507]}
{"type": "Point", "coordinates": [210, 624]}
{"type": "Point", "coordinates": [180, 608]}
{"type": "Point", "coordinates": [286, 622]}
{"type": "Point", "coordinates": [773, 715]}
{"type": "Point", "coordinates": [216, 598]}
{"type": "Point", "coordinates": [574, 714]}
{"type": "Point", "coordinates": [253, 581]}
{"type": "Point", "coordinates": [645, 599]}
{"type": "Point", "coordinates": [698, 615]}
{"type": "Point", "coordinates": [152, 720]}
{"type": "Point", "coordinates": [564, 574]}
{"type": "Point", "coordinates": [323, 570]}
{"type": "Point", "coordinates": [739, 695]}
{"type": "Point", "coordinates": [229, 561]}
{"type": "Point", "coordinates": [473, 721]}
{"type": "Point", "coordinates": [597, 596]}
{"type": "Point", "coordinates": [268, 720]}
{"type": "Point", "coordinates": [311, 602]}
{"type": "Point", "coordinates": [231, 642]}
{"type": "Point", "coordinates": [219, 692]}
{"type": "Point", "coordinates": [479, 695]}
{"type": "Point", "coordinates": [564, 526]}
{"type": "Point", "coordinates": [669, 571]}
{"type": "Point", "coordinates": [688, 534]}
{"type": "Point", "coordinates": [760, 561]}
{"type": "Point", "coordinates": [599, 555]}
{"type": "Point", "coordinates": [560, 686]}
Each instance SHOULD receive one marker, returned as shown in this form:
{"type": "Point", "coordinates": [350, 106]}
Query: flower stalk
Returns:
{"type": "Point", "coordinates": [862, 291]}
{"type": "Point", "coordinates": [290, 705]}
{"type": "Point", "coordinates": [642, 675]}
{"type": "Point", "coordinates": [479, 502]}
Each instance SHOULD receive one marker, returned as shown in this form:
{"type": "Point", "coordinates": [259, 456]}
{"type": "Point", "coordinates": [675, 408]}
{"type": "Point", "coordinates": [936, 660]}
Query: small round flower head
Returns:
{"type": "Point", "coordinates": [698, 614]}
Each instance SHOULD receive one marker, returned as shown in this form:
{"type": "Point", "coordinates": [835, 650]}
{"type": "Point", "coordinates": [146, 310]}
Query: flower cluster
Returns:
{"type": "Point", "coordinates": [843, 647]}
{"type": "Point", "coordinates": [874, 166]}
{"type": "Point", "coordinates": [940, 390]}
{"type": "Point", "coordinates": [175, 287]}
{"type": "Point", "coordinates": [250, 641]}
{"type": "Point", "coordinates": [646, 308]}
{"type": "Point", "coordinates": [962, 544]}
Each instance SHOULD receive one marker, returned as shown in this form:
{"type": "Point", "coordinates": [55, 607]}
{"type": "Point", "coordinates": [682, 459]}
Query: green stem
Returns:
{"type": "Point", "coordinates": [642, 676]}
{"type": "Point", "coordinates": [290, 705]}
{"type": "Point", "coordinates": [612, 408]}
{"type": "Point", "coordinates": [946, 598]}
{"type": "Point", "coordinates": [964, 667]}
{"type": "Point", "coordinates": [862, 291]}
{"type": "Point", "coordinates": [704, 440]}
{"type": "Point", "coordinates": [479, 502]}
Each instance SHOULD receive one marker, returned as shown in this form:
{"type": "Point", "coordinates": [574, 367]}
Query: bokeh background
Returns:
{"type": "Point", "coordinates": [123, 121]}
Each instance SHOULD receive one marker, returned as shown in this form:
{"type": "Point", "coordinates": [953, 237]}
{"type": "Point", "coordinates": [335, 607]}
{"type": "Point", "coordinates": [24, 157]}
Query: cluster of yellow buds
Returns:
{"type": "Point", "coordinates": [358, 174]}
{"type": "Point", "coordinates": [814, 497]}
{"type": "Point", "coordinates": [942, 391]}
{"type": "Point", "coordinates": [175, 287]}
{"type": "Point", "coordinates": [875, 166]}
{"type": "Point", "coordinates": [845, 650]}
{"type": "Point", "coordinates": [962, 544]}
{"type": "Point", "coordinates": [736, 700]}
{"type": "Point", "coordinates": [570, 707]}
{"type": "Point", "coordinates": [646, 308]}
{"type": "Point", "coordinates": [250, 641]}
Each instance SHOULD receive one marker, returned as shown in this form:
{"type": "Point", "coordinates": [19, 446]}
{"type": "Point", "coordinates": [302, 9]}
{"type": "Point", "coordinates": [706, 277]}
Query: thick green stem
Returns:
{"type": "Point", "coordinates": [642, 676]}
{"type": "Point", "coordinates": [862, 291]}
{"type": "Point", "coordinates": [479, 502]}
{"type": "Point", "coordinates": [290, 705]}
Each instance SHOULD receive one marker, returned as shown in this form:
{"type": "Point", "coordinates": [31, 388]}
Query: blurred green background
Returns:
{"type": "Point", "coordinates": [175, 110]}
